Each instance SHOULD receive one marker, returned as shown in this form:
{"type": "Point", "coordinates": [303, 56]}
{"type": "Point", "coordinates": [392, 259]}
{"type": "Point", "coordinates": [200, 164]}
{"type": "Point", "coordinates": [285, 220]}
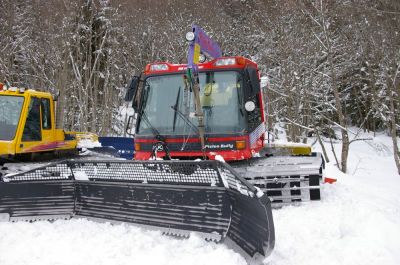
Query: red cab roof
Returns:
{"type": "Point", "coordinates": [231, 62]}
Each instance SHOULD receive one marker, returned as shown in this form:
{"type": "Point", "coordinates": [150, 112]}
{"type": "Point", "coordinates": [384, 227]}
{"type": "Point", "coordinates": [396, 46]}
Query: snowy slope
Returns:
{"type": "Point", "coordinates": [357, 222]}
{"type": "Point", "coordinates": [358, 219]}
{"type": "Point", "coordinates": [89, 243]}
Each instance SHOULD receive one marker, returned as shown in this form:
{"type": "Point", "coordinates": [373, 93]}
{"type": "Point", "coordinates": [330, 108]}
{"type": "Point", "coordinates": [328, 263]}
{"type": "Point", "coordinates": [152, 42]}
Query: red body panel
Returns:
{"type": "Point", "coordinates": [228, 155]}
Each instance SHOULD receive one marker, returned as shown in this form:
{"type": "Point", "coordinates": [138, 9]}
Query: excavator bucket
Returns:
{"type": "Point", "coordinates": [178, 197]}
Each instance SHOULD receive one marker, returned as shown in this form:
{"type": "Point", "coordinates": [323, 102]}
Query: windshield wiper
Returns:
{"type": "Point", "coordinates": [160, 139]}
{"type": "Point", "coordinates": [183, 116]}
{"type": "Point", "coordinates": [155, 132]}
{"type": "Point", "coordinates": [239, 96]}
{"type": "Point", "coordinates": [185, 119]}
{"type": "Point", "coordinates": [176, 108]}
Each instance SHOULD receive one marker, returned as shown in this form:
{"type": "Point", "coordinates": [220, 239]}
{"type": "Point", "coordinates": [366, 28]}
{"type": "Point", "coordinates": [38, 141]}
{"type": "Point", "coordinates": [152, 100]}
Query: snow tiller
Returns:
{"type": "Point", "coordinates": [178, 197]}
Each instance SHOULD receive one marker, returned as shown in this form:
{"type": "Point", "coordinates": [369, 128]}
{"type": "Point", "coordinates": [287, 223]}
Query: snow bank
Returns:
{"type": "Point", "coordinates": [354, 223]}
{"type": "Point", "coordinates": [90, 243]}
{"type": "Point", "coordinates": [358, 219]}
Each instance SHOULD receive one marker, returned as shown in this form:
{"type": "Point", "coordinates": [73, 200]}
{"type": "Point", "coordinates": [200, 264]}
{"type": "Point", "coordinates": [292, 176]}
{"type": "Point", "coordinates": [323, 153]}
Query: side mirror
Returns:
{"type": "Point", "coordinates": [130, 93]}
{"type": "Point", "coordinates": [129, 124]}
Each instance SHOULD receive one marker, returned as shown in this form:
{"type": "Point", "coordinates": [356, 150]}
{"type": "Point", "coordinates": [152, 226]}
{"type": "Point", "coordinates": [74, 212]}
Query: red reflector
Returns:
{"type": "Point", "coordinates": [329, 180]}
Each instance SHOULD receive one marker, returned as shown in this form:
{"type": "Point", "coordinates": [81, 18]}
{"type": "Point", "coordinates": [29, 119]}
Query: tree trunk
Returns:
{"type": "Point", "coordinates": [62, 86]}
{"type": "Point", "coordinates": [342, 120]}
{"type": "Point", "coordinates": [322, 146]}
{"type": "Point", "coordinates": [396, 152]}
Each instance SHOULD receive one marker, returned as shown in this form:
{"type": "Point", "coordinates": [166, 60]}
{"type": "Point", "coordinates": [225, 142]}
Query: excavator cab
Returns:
{"type": "Point", "coordinates": [28, 124]}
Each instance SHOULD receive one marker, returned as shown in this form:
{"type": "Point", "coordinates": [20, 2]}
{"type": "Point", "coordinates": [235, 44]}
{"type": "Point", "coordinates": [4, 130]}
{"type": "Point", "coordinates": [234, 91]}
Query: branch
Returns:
{"type": "Point", "coordinates": [277, 92]}
{"type": "Point", "coordinates": [95, 61]}
{"type": "Point", "coordinates": [320, 41]}
{"type": "Point", "coordinates": [335, 123]}
{"type": "Point", "coordinates": [76, 72]}
{"type": "Point", "coordinates": [375, 9]}
{"type": "Point", "coordinates": [361, 139]}
{"type": "Point", "coordinates": [295, 123]}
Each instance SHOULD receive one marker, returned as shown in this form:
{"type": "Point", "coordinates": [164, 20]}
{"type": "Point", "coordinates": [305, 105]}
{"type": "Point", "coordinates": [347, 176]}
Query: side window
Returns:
{"type": "Point", "coordinates": [254, 117]}
{"type": "Point", "coordinates": [253, 93]}
{"type": "Point", "coordinates": [32, 130]}
{"type": "Point", "coordinates": [46, 114]}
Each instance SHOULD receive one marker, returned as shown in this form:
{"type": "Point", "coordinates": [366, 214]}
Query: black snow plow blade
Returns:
{"type": "Point", "coordinates": [178, 197]}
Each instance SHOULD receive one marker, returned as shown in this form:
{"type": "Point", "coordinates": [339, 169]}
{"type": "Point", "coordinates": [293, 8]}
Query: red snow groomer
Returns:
{"type": "Point", "coordinates": [215, 110]}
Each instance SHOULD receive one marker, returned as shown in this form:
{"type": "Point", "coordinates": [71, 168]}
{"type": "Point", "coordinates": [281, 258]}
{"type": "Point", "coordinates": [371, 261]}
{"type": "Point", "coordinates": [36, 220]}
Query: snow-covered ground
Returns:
{"type": "Point", "coordinates": [358, 219]}
{"type": "Point", "coordinates": [85, 242]}
{"type": "Point", "coordinates": [356, 222]}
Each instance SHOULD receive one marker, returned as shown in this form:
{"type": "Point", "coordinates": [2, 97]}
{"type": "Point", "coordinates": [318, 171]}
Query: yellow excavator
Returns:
{"type": "Point", "coordinates": [28, 126]}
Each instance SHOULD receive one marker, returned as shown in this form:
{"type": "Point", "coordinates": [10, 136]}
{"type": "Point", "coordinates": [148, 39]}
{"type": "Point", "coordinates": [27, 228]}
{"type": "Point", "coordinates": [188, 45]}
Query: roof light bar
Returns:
{"type": "Point", "coordinates": [159, 67]}
{"type": "Point", "coordinates": [225, 61]}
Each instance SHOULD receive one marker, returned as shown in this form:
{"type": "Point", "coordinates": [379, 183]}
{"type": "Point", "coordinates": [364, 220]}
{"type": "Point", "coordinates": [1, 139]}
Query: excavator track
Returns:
{"type": "Point", "coordinates": [285, 179]}
{"type": "Point", "coordinates": [176, 197]}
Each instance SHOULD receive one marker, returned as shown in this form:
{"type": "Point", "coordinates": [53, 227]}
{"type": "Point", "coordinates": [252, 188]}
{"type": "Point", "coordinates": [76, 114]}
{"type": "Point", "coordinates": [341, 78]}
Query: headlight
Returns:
{"type": "Point", "coordinates": [190, 36]}
{"type": "Point", "coordinates": [225, 61]}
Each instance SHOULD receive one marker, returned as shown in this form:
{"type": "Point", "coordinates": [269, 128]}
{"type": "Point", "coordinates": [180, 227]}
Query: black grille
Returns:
{"type": "Point", "coordinates": [57, 171]}
{"type": "Point", "coordinates": [157, 172]}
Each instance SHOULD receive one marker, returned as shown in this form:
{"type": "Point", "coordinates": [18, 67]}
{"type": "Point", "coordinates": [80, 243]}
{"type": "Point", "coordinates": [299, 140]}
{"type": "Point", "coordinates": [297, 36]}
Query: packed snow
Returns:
{"type": "Point", "coordinates": [88, 143]}
{"type": "Point", "coordinates": [86, 242]}
{"type": "Point", "coordinates": [356, 222]}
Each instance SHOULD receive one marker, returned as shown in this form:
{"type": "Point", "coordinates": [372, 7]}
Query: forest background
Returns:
{"type": "Point", "coordinates": [330, 64]}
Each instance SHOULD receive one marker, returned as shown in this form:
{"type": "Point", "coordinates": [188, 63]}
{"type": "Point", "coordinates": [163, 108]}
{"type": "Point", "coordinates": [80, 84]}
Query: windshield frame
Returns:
{"type": "Point", "coordinates": [192, 133]}
{"type": "Point", "coordinates": [17, 119]}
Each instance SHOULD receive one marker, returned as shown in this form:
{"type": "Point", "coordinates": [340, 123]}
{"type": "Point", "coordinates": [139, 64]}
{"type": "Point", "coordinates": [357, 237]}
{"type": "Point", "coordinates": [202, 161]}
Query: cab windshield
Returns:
{"type": "Point", "coordinates": [169, 108]}
{"type": "Point", "coordinates": [10, 110]}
